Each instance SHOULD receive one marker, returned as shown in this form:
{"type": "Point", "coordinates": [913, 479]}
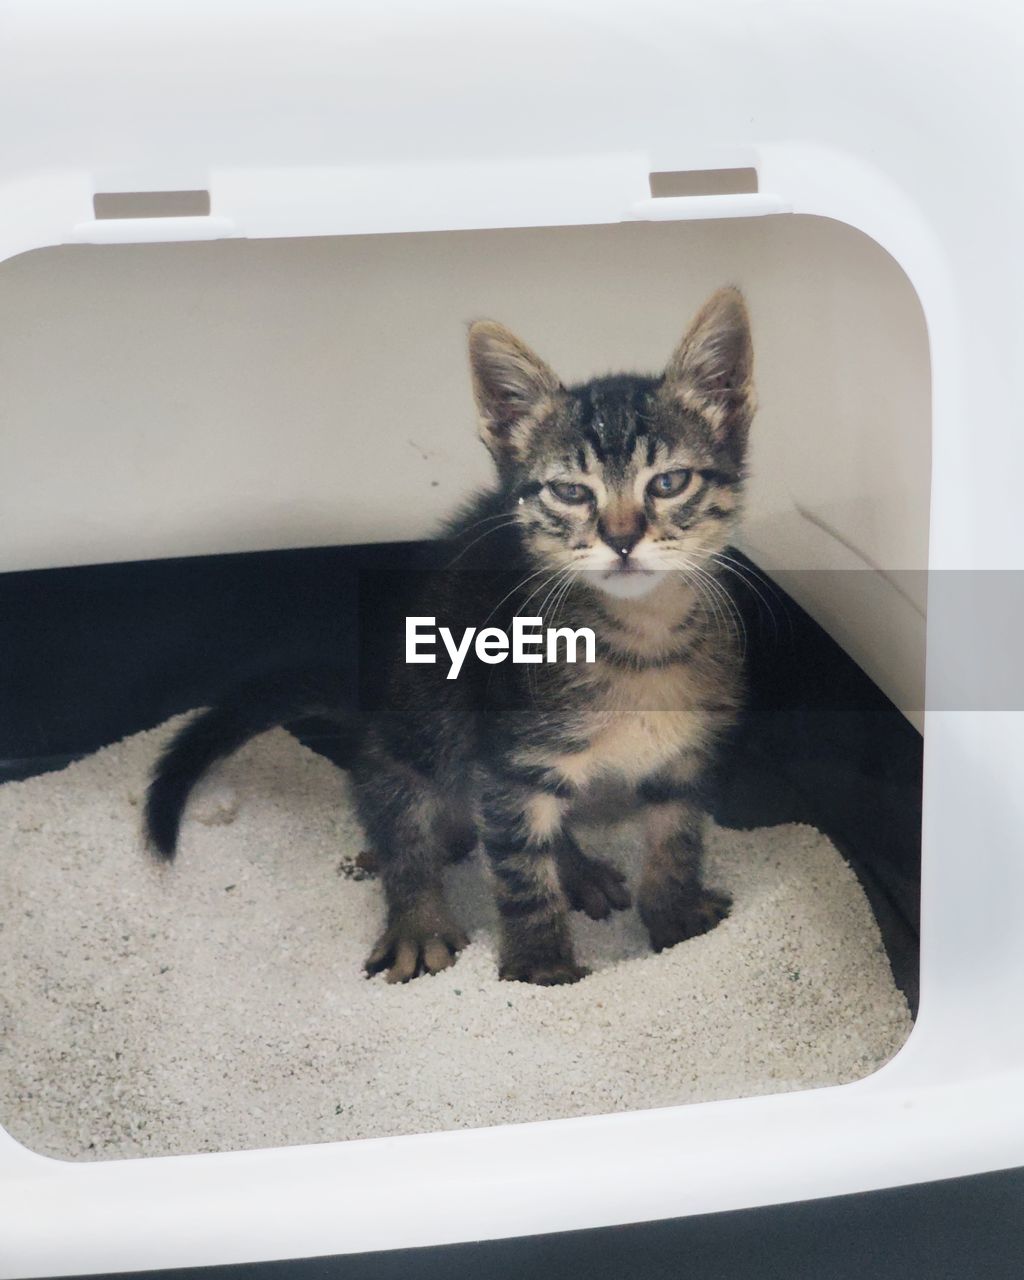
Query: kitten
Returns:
{"type": "Point", "coordinates": [613, 505]}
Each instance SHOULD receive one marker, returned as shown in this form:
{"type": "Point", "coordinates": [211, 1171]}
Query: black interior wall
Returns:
{"type": "Point", "coordinates": [89, 655]}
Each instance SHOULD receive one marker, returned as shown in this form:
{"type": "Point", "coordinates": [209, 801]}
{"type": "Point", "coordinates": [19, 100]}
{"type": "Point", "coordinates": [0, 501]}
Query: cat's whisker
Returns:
{"type": "Point", "coordinates": [753, 580]}
{"type": "Point", "coordinates": [709, 605]}
{"type": "Point", "coordinates": [510, 520]}
{"type": "Point", "coordinates": [556, 593]}
{"type": "Point", "coordinates": [735, 618]}
{"type": "Point", "coordinates": [518, 587]}
{"type": "Point", "coordinates": [496, 515]}
{"type": "Point", "coordinates": [561, 595]}
{"type": "Point", "coordinates": [552, 578]}
{"type": "Point", "coordinates": [561, 577]}
{"type": "Point", "coordinates": [724, 607]}
{"type": "Point", "coordinates": [531, 677]}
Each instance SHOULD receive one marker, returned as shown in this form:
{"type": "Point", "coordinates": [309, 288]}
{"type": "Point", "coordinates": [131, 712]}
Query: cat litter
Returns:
{"type": "Point", "coordinates": [219, 1003]}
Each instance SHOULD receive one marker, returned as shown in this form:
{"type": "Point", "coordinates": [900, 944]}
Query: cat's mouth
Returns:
{"type": "Point", "coordinates": [625, 579]}
{"type": "Point", "coordinates": [625, 566]}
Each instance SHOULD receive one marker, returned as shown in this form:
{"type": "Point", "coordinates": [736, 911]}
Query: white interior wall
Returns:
{"type": "Point", "coordinates": [167, 399]}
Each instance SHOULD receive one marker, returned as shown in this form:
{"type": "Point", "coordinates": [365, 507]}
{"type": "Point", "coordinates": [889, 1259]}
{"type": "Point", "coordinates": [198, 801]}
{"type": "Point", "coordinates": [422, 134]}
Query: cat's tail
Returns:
{"type": "Point", "coordinates": [250, 709]}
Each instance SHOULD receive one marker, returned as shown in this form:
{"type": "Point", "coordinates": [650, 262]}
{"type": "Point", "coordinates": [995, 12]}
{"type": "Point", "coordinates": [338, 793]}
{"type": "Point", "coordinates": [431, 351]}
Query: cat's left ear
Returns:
{"type": "Point", "coordinates": [513, 387]}
{"type": "Point", "coordinates": [711, 372]}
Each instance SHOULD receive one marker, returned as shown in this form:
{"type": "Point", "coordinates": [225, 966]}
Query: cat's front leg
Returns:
{"type": "Point", "coordinates": [522, 829]}
{"type": "Point", "coordinates": [673, 901]}
{"type": "Point", "coordinates": [591, 885]}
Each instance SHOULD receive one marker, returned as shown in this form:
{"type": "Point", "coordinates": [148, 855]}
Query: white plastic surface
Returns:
{"type": "Point", "coordinates": [899, 118]}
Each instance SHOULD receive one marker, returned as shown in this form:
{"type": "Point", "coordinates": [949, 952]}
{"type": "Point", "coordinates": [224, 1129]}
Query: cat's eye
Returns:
{"type": "Point", "coordinates": [669, 484]}
{"type": "Point", "coordinates": [574, 494]}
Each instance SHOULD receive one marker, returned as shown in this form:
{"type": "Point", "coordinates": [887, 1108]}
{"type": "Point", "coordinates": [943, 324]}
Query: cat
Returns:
{"type": "Point", "coordinates": [614, 503]}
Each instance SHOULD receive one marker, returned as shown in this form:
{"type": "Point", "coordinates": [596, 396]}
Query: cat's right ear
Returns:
{"type": "Point", "coordinates": [513, 387]}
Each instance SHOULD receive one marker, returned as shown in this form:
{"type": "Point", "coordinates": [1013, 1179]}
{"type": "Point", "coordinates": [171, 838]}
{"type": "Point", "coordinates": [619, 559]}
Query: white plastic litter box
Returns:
{"type": "Point", "coordinates": [853, 170]}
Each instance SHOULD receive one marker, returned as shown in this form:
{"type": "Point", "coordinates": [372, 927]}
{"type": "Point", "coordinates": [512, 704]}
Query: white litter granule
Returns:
{"type": "Point", "coordinates": [219, 1003]}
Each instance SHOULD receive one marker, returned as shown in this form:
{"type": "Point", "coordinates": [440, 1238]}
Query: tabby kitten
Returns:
{"type": "Point", "coordinates": [614, 501]}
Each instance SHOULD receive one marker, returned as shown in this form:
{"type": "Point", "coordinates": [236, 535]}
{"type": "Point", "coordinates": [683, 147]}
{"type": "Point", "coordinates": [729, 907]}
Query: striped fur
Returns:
{"type": "Point", "coordinates": [614, 500]}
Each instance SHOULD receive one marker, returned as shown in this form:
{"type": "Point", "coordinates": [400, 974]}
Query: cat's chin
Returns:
{"type": "Point", "coordinates": [622, 584]}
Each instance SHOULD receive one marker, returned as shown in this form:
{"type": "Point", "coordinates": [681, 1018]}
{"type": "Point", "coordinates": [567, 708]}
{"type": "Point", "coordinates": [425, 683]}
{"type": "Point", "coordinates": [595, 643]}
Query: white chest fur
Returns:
{"type": "Point", "coordinates": [640, 722]}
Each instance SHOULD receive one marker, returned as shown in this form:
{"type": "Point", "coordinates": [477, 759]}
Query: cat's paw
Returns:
{"type": "Point", "coordinates": [593, 886]}
{"type": "Point", "coordinates": [545, 973]}
{"type": "Point", "coordinates": [672, 918]}
{"type": "Point", "coordinates": [418, 942]}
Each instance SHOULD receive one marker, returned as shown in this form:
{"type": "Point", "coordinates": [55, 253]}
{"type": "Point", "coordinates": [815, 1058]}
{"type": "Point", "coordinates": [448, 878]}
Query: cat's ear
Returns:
{"type": "Point", "coordinates": [512, 385]}
{"type": "Point", "coordinates": [711, 372]}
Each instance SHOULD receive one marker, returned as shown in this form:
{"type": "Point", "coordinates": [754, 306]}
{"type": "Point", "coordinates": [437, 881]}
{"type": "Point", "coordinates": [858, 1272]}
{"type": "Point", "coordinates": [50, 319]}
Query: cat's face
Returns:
{"type": "Point", "coordinates": [624, 480]}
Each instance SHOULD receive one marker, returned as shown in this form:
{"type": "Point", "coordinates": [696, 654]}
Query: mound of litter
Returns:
{"type": "Point", "coordinates": [219, 1003]}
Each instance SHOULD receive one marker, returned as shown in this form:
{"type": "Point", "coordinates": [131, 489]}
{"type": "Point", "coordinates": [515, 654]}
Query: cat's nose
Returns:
{"type": "Point", "coordinates": [623, 543]}
{"type": "Point", "coordinates": [621, 528]}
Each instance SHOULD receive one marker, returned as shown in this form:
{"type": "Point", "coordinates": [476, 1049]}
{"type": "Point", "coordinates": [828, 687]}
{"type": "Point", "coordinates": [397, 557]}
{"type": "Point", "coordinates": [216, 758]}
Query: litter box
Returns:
{"type": "Point", "coordinates": [197, 194]}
